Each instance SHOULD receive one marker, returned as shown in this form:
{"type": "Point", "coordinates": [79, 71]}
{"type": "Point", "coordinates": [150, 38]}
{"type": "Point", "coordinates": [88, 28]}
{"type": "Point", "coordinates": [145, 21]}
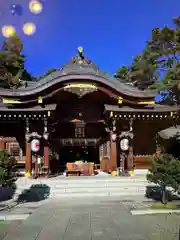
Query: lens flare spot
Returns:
{"type": "Point", "coordinates": [29, 28]}
{"type": "Point", "coordinates": [35, 6]}
{"type": "Point", "coordinates": [8, 31]}
{"type": "Point", "coordinates": [16, 9]}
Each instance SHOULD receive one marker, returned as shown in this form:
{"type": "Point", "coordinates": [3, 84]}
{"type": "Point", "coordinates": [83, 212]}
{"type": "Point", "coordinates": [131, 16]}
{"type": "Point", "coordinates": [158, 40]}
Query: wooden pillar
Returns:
{"type": "Point", "coordinates": [28, 164]}
{"type": "Point", "coordinates": [2, 143]}
{"type": "Point", "coordinates": [46, 155]}
{"type": "Point", "coordinates": [113, 153]}
{"type": "Point", "coordinates": [46, 147]}
{"type": "Point", "coordinates": [130, 159]}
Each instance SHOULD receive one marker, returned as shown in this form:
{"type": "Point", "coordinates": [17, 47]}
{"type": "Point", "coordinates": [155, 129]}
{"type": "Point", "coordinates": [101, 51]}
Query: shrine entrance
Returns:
{"type": "Point", "coordinates": [79, 127]}
{"type": "Point", "coordinates": [74, 154]}
{"type": "Point", "coordinates": [82, 153]}
{"type": "Point", "coordinates": [82, 145]}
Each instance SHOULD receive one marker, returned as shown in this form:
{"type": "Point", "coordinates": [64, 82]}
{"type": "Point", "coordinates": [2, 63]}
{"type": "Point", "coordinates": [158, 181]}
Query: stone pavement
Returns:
{"type": "Point", "coordinates": [92, 218]}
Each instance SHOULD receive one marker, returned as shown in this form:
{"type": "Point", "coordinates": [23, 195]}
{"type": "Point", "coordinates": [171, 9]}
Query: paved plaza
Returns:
{"type": "Point", "coordinates": [89, 218]}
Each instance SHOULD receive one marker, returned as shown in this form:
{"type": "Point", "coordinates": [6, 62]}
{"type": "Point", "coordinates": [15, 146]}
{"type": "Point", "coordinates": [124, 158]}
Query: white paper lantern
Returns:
{"type": "Point", "coordinates": [124, 144]}
{"type": "Point", "coordinates": [35, 145]}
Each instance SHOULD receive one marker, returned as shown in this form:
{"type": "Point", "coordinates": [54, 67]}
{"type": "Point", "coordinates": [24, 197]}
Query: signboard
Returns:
{"type": "Point", "coordinates": [124, 144]}
{"type": "Point", "coordinates": [35, 145]}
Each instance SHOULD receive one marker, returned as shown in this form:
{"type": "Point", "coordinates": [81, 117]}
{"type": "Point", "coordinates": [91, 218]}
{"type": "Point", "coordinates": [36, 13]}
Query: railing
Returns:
{"type": "Point", "coordinates": [142, 161]}
{"type": "Point", "coordinates": [14, 149]}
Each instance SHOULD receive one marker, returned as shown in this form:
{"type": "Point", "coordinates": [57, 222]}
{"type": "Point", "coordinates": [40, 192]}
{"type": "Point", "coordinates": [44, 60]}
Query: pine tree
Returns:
{"type": "Point", "coordinates": [157, 66]}
{"type": "Point", "coordinates": [165, 171]}
{"type": "Point", "coordinates": [12, 69]}
{"type": "Point", "coordinates": [6, 168]}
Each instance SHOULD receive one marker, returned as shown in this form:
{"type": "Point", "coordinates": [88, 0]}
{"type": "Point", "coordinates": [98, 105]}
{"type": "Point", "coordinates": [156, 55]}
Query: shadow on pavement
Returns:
{"type": "Point", "coordinates": [35, 193]}
{"type": "Point", "coordinates": [154, 192]}
{"type": "Point", "coordinates": [7, 192]}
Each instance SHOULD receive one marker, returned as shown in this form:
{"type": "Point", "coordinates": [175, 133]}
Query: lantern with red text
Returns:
{"type": "Point", "coordinates": [35, 145]}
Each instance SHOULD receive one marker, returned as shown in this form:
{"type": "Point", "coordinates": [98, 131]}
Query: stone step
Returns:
{"type": "Point", "coordinates": [80, 178]}
{"type": "Point", "coordinates": [82, 185]}
{"type": "Point", "coordinates": [83, 181]}
{"type": "Point", "coordinates": [97, 194]}
{"type": "Point", "coordinates": [85, 186]}
{"type": "Point", "coordinates": [83, 189]}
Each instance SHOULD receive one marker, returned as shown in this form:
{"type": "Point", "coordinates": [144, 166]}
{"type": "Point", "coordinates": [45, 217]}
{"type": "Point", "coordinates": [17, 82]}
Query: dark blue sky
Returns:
{"type": "Point", "coordinates": [111, 31]}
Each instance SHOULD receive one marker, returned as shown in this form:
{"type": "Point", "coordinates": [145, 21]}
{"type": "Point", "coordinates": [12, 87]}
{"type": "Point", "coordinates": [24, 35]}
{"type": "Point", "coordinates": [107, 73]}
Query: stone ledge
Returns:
{"type": "Point", "coordinates": [10, 217]}
{"type": "Point", "coordinates": [153, 211]}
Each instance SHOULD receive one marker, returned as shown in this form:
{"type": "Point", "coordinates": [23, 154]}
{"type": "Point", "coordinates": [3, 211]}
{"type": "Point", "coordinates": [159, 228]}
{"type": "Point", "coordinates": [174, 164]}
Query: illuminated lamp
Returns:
{"type": "Point", "coordinates": [29, 28]}
{"type": "Point", "coordinates": [46, 135]}
{"type": "Point", "coordinates": [113, 137]}
{"type": "Point", "coordinates": [80, 49]}
{"type": "Point", "coordinates": [8, 31]}
{"type": "Point", "coordinates": [35, 6]}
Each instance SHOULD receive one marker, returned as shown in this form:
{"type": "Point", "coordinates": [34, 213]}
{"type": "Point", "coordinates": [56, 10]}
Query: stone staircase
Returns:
{"type": "Point", "coordinates": [63, 187]}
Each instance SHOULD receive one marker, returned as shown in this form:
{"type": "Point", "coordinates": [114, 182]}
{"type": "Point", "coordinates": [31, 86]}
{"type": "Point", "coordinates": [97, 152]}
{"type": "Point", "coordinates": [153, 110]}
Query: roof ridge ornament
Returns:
{"type": "Point", "coordinates": [79, 60]}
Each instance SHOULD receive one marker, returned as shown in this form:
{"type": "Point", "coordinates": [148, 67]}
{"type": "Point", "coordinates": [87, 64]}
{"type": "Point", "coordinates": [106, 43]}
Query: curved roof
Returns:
{"type": "Point", "coordinates": [78, 69]}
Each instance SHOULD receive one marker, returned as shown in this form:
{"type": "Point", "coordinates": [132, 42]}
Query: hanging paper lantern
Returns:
{"type": "Point", "coordinates": [16, 9]}
{"type": "Point", "coordinates": [35, 6]}
{"type": "Point", "coordinates": [29, 28]}
{"type": "Point", "coordinates": [8, 31]}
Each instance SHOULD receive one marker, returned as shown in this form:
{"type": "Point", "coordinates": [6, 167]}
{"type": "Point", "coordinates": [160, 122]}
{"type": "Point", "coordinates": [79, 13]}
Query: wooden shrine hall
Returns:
{"type": "Point", "coordinates": [81, 113]}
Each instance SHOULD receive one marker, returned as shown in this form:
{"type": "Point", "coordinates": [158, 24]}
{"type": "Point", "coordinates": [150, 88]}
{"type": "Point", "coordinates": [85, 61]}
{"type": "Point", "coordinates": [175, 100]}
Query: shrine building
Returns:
{"type": "Point", "coordinates": [81, 112]}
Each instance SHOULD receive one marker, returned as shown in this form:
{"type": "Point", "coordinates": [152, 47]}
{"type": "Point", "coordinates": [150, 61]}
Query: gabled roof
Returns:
{"type": "Point", "coordinates": [79, 69]}
{"type": "Point", "coordinates": [171, 132]}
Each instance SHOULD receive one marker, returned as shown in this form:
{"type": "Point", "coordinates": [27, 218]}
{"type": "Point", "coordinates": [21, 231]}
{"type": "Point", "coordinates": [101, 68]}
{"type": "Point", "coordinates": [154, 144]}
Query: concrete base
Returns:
{"type": "Point", "coordinates": [140, 171]}
{"type": "Point", "coordinates": [11, 217]}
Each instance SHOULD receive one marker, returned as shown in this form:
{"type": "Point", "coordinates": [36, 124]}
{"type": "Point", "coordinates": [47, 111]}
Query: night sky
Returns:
{"type": "Point", "coordinates": [111, 31]}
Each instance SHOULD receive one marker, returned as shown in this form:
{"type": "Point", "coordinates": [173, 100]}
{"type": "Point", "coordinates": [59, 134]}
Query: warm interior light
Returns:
{"type": "Point", "coordinates": [35, 6]}
{"type": "Point", "coordinates": [8, 31]}
{"type": "Point", "coordinates": [29, 28]}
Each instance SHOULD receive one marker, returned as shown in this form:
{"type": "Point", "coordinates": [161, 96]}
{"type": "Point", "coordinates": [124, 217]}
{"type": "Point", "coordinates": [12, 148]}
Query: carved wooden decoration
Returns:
{"type": "Point", "coordinates": [80, 89]}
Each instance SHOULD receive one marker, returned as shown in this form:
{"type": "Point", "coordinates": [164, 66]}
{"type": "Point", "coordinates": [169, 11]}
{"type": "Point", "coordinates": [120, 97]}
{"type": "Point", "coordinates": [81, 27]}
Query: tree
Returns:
{"type": "Point", "coordinates": [12, 69]}
{"type": "Point", "coordinates": [140, 73]}
{"type": "Point", "coordinates": [51, 70]}
{"type": "Point", "coordinates": [6, 168]}
{"type": "Point", "coordinates": [164, 49]}
{"type": "Point", "coordinates": [165, 171]}
{"type": "Point", "coordinates": [123, 74]}
{"type": "Point", "coordinates": [11, 53]}
{"type": "Point", "coordinates": [157, 66]}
